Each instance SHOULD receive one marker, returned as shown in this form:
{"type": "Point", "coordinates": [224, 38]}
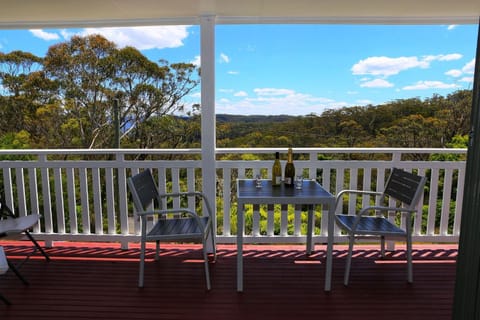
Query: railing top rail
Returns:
{"type": "Point", "coordinates": [230, 150]}
{"type": "Point", "coordinates": [342, 150]}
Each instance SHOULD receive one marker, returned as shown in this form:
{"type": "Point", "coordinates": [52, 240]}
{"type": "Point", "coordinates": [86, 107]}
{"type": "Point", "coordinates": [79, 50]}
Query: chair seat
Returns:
{"type": "Point", "coordinates": [178, 228]}
{"type": "Point", "coordinates": [18, 224]}
{"type": "Point", "coordinates": [371, 225]}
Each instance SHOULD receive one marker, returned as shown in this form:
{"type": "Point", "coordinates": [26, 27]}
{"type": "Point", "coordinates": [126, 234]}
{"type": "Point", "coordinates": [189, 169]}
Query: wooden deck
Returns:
{"type": "Point", "coordinates": [99, 281]}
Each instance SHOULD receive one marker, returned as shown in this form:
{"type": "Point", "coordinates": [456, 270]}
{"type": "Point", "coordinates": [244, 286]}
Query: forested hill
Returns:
{"type": "Point", "coordinates": [221, 118]}
{"type": "Point", "coordinates": [88, 93]}
{"type": "Point", "coordinates": [434, 122]}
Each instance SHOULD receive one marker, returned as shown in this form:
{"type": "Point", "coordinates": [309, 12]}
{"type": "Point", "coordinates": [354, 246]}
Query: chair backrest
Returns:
{"type": "Point", "coordinates": [5, 211]}
{"type": "Point", "coordinates": [405, 187]}
{"type": "Point", "coordinates": [144, 190]}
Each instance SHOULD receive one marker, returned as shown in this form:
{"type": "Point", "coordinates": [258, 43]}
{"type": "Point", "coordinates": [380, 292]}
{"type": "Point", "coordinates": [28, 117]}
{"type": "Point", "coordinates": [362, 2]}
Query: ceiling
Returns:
{"type": "Point", "coordinates": [69, 13]}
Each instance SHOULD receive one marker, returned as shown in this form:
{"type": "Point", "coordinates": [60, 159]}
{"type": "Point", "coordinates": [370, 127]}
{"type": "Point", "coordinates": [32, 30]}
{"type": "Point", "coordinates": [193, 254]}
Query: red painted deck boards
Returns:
{"type": "Point", "coordinates": [99, 281]}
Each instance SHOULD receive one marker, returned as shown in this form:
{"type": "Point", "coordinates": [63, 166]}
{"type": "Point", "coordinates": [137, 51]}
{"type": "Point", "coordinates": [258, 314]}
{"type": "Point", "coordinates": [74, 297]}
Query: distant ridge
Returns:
{"type": "Point", "coordinates": [253, 118]}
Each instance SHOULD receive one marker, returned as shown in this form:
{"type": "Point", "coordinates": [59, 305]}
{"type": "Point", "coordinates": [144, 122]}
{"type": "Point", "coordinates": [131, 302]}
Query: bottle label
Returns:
{"type": "Point", "coordinates": [288, 180]}
{"type": "Point", "coordinates": [278, 179]}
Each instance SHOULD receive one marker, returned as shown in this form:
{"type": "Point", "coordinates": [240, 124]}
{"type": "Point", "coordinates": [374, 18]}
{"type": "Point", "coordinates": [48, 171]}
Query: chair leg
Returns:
{"type": "Point", "coordinates": [409, 261]}
{"type": "Point", "coordinates": [12, 267]}
{"type": "Point", "coordinates": [37, 246]}
{"type": "Point", "coordinates": [214, 244]}
{"type": "Point", "coordinates": [349, 260]}
{"type": "Point", "coordinates": [207, 269]}
{"type": "Point", "coordinates": [382, 246]}
{"type": "Point", "coordinates": [157, 250]}
{"type": "Point", "coordinates": [5, 300]}
{"type": "Point", "coordinates": [142, 264]}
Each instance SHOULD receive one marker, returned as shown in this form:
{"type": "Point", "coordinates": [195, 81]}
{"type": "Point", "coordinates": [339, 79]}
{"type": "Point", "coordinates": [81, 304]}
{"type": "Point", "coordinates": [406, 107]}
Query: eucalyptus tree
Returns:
{"type": "Point", "coordinates": [148, 91]}
{"type": "Point", "coordinates": [23, 89]}
{"type": "Point", "coordinates": [91, 72]}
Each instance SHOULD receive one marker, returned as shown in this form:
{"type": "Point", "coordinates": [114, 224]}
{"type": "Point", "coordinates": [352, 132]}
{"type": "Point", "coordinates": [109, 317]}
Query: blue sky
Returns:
{"type": "Point", "coordinates": [301, 69]}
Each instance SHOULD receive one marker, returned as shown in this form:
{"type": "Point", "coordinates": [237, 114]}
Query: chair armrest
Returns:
{"type": "Point", "coordinates": [350, 191]}
{"type": "Point", "coordinates": [385, 209]}
{"type": "Point", "coordinates": [189, 194]}
{"type": "Point", "coordinates": [179, 194]}
{"type": "Point", "coordinates": [166, 212]}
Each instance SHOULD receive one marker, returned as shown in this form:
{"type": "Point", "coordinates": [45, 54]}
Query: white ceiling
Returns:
{"type": "Point", "coordinates": [44, 13]}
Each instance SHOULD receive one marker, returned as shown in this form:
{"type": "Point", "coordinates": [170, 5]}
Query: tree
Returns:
{"type": "Point", "coordinates": [455, 112]}
{"type": "Point", "coordinates": [415, 131]}
{"type": "Point", "coordinates": [91, 72]}
{"type": "Point", "coordinates": [23, 89]}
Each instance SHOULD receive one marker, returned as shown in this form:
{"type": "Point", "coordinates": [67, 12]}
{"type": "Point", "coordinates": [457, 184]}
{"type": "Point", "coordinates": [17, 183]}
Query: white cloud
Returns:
{"type": "Point", "coordinates": [386, 66]}
{"type": "Point", "coordinates": [452, 26]}
{"type": "Point", "coordinates": [273, 92]}
{"type": "Point", "coordinates": [425, 85]}
{"type": "Point", "coordinates": [143, 38]}
{"type": "Point", "coordinates": [469, 67]}
{"type": "Point", "coordinates": [66, 34]}
{"type": "Point", "coordinates": [442, 57]}
{"type": "Point", "coordinates": [48, 36]}
{"type": "Point", "coordinates": [274, 101]}
{"type": "Point", "coordinates": [224, 58]}
{"type": "Point", "coordinates": [467, 79]}
{"type": "Point", "coordinates": [376, 83]}
{"type": "Point", "coordinates": [454, 73]}
{"type": "Point", "coordinates": [233, 72]}
{"type": "Point", "coordinates": [240, 94]}
{"type": "Point", "coordinates": [196, 61]}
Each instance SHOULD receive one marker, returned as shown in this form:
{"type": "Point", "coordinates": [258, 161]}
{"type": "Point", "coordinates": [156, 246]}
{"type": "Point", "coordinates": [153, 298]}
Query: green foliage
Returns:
{"type": "Point", "coordinates": [410, 123]}
{"type": "Point", "coordinates": [65, 100]}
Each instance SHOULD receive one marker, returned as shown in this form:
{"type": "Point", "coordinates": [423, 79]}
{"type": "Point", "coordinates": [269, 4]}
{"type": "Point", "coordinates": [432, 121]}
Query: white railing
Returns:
{"type": "Point", "coordinates": [83, 199]}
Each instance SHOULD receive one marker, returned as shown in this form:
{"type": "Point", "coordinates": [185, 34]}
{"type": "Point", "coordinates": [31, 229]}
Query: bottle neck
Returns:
{"type": "Point", "coordinates": [290, 156]}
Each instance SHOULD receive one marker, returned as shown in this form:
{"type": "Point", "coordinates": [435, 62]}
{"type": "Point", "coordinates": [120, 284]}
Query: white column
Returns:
{"type": "Point", "coordinates": [207, 53]}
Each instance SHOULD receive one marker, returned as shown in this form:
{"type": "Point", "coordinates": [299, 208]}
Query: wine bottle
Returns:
{"type": "Point", "coordinates": [289, 170]}
{"type": "Point", "coordinates": [276, 170]}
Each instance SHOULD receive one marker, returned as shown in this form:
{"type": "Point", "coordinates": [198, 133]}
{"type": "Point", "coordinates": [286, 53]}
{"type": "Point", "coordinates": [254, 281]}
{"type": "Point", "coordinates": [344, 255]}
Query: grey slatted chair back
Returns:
{"type": "Point", "coordinates": [144, 190]}
{"type": "Point", "coordinates": [405, 187]}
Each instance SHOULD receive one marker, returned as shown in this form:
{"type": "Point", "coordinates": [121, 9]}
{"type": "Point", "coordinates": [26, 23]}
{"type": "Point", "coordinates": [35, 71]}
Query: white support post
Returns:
{"type": "Point", "coordinates": [207, 54]}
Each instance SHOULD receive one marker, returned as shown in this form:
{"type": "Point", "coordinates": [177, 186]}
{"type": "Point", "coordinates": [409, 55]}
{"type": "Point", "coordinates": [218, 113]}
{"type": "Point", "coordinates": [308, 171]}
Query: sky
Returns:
{"type": "Point", "coordinates": [299, 69]}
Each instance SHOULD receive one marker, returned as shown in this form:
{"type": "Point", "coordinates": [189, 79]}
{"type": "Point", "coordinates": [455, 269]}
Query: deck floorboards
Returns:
{"type": "Point", "coordinates": [99, 281]}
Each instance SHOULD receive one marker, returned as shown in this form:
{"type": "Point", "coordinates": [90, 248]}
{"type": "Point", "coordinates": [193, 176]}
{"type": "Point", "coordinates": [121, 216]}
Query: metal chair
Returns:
{"type": "Point", "coordinates": [161, 224]}
{"type": "Point", "coordinates": [3, 269]}
{"type": "Point", "coordinates": [401, 196]}
{"type": "Point", "coordinates": [15, 226]}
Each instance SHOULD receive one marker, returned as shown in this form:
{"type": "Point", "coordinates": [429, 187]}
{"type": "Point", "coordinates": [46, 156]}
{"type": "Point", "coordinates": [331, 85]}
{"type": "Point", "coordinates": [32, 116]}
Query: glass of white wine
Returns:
{"type": "Point", "coordinates": [299, 182]}
{"type": "Point", "coordinates": [258, 181]}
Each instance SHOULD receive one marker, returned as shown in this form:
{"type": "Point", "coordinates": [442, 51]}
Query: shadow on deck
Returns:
{"type": "Point", "coordinates": [99, 281]}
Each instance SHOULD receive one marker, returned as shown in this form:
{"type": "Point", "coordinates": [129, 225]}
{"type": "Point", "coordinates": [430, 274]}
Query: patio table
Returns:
{"type": "Point", "coordinates": [311, 194]}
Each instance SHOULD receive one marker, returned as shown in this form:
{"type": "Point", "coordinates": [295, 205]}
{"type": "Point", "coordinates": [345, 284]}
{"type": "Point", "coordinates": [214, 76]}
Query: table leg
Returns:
{"type": "Point", "coordinates": [240, 231]}
{"type": "Point", "coordinates": [310, 230]}
{"type": "Point", "coordinates": [331, 230]}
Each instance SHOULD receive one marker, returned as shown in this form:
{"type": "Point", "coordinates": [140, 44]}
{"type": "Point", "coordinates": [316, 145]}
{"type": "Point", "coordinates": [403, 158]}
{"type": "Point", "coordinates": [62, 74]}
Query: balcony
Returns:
{"type": "Point", "coordinates": [84, 199]}
{"type": "Point", "coordinates": [88, 224]}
